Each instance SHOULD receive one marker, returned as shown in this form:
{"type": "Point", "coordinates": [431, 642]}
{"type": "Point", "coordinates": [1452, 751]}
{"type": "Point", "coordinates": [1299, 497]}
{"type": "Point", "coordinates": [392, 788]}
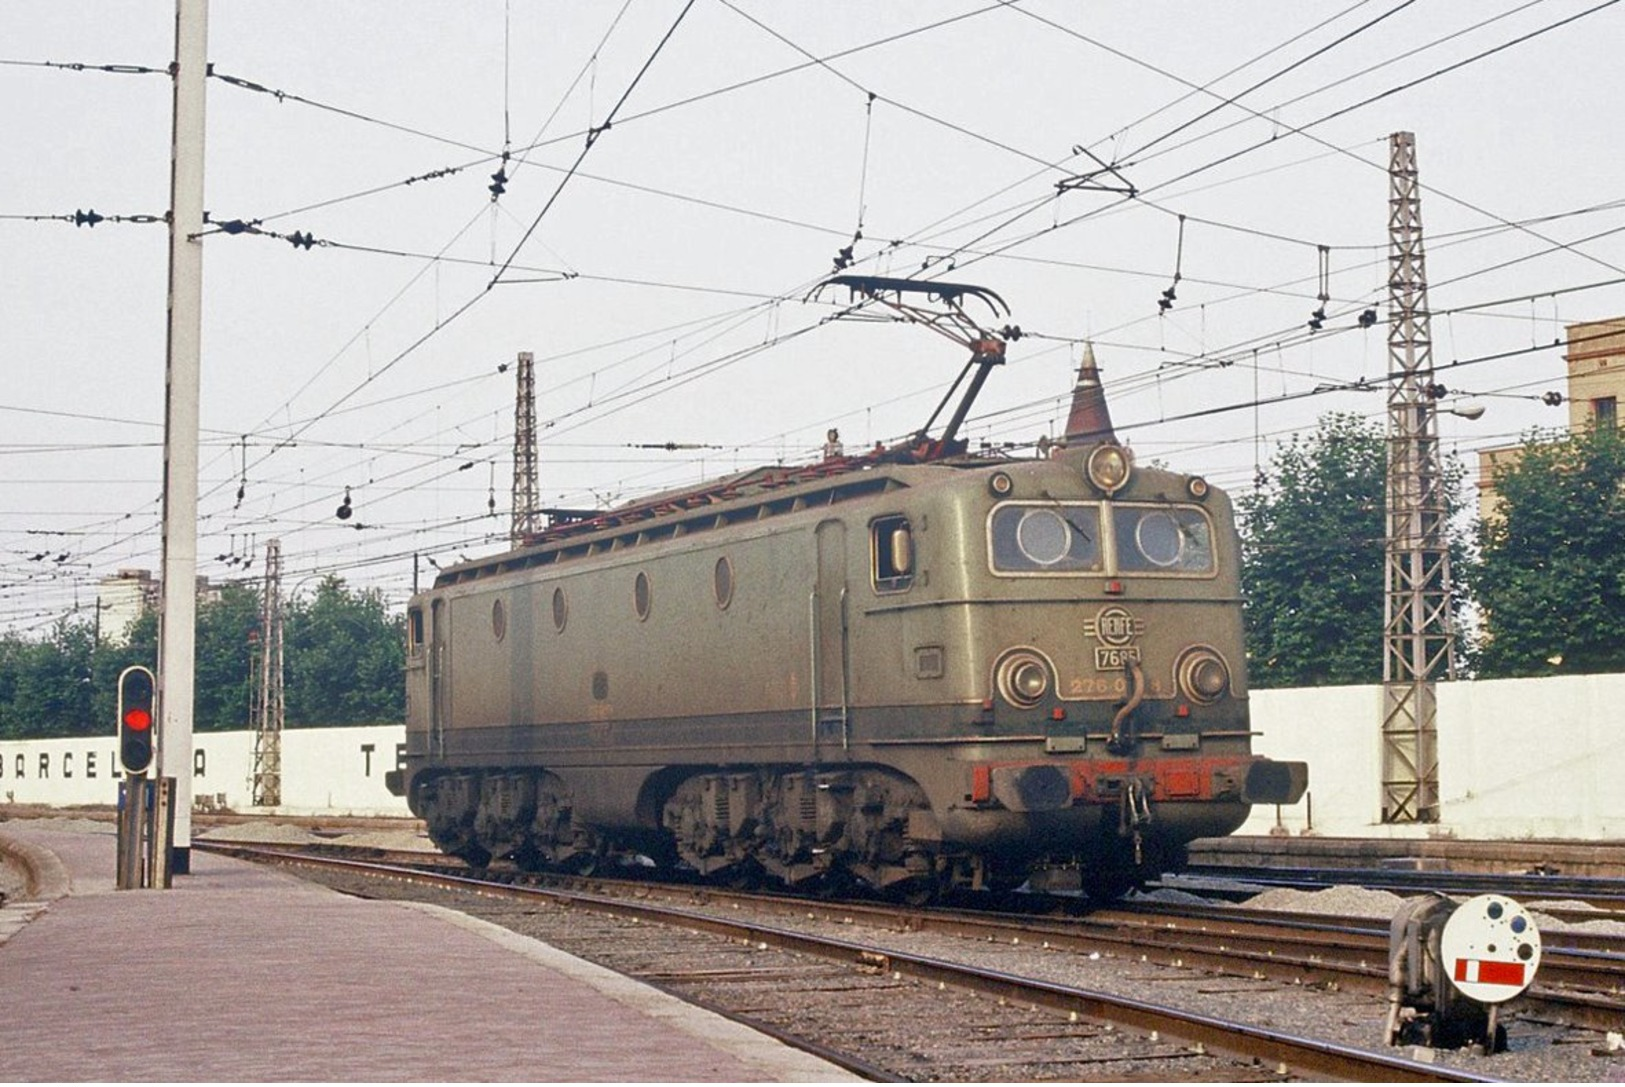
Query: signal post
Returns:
{"type": "Point", "coordinates": [146, 815]}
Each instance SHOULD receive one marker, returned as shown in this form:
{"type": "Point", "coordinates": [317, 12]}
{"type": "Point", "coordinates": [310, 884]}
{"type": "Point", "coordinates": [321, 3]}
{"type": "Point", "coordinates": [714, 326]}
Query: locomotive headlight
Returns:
{"type": "Point", "coordinates": [1203, 675]}
{"type": "Point", "coordinates": [1023, 679]}
{"type": "Point", "coordinates": [1197, 486]}
{"type": "Point", "coordinates": [1000, 483]}
{"type": "Point", "coordinates": [1108, 468]}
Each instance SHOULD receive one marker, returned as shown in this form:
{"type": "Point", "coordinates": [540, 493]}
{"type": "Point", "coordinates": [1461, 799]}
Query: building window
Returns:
{"type": "Point", "coordinates": [1605, 411]}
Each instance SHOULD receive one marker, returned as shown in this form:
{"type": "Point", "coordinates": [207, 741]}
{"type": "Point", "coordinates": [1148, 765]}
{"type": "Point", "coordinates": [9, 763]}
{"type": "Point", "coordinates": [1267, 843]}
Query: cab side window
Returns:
{"type": "Point", "coordinates": [891, 549]}
{"type": "Point", "coordinates": [414, 632]}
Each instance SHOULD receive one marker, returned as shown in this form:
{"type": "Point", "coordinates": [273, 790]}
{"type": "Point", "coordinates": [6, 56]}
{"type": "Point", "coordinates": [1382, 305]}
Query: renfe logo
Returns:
{"type": "Point", "coordinates": [1116, 629]}
{"type": "Point", "coordinates": [1114, 626]}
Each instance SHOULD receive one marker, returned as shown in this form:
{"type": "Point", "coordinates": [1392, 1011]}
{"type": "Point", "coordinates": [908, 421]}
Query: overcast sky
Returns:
{"type": "Point", "coordinates": [665, 291]}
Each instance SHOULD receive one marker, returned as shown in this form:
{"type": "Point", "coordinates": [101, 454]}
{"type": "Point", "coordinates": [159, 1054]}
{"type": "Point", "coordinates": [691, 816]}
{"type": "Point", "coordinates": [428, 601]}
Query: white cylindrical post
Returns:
{"type": "Point", "coordinates": [177, 643]}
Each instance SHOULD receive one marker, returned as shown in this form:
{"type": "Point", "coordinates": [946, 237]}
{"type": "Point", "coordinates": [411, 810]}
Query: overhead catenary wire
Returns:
{"type": "Point", "coordinates": [1193, 220]}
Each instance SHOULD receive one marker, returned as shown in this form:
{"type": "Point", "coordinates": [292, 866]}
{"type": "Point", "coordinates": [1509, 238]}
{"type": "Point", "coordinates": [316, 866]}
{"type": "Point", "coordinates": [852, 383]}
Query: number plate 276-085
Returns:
{"type": "Point", "coordinates": [1108, 657]}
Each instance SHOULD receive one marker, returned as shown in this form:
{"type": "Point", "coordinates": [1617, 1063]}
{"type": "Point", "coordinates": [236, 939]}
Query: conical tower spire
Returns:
{"type": "Point", "coordinates": [1089, 420]}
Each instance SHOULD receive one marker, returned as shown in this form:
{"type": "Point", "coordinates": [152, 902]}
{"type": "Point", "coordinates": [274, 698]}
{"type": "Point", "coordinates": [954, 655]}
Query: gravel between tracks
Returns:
{"type": "Point", "coordinates": [1538, 1051]}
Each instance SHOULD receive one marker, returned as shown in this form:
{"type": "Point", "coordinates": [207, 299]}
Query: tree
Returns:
{"type": "Point", "coordinates": [345, 658]}
{"type": "Point", "coordinates": [1312, 559]}
{"type": "Point", "coordinates": [1550, 575]}
{"type": "Point", "coordinates": [227, 627]}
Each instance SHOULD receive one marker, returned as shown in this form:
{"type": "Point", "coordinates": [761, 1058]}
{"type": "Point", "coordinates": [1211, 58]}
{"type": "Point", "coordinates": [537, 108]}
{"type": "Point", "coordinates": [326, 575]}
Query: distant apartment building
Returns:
{"type": "Point", "coordinates": [1596, 384]}
{"type": "Point", "coordinates": [124, 597]}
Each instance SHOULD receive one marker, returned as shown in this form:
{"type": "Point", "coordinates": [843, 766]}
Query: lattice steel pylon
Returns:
{"type": "Point", "coordinates": [1418, 629]}
{"type": "Point", "coordinates": [267, 709]}
{"type": "Point", "coordinates": [526, 503]}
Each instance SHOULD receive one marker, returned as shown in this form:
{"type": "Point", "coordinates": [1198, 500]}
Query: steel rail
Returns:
{"type": "Point", "coordinates": [1594, 889]}
{"type": "Point", "coordinates": [1581, 985]}
{"type": "Point", "coordinates": [1289, 1054]}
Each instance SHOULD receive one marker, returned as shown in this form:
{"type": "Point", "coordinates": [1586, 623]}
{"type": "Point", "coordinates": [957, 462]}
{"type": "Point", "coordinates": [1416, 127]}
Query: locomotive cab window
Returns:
{"type": "Point", "coordinates": [1163, 539]}
{"type": "Point", "coordinates": [1045, 538]}
{"type": "Point", "coordinates": [414, 631]}
{"type": "Point", "coordinates": [891, 549]}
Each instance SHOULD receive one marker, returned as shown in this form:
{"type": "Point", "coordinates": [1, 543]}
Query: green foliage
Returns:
{"type": "Point", "coordinates": [345, 657]}
{"type": "Point", "coordinates": [1551, 569]}
{"type": "Point", "coordinates": [226, 631]}
{"type": "Point", "coordinates": [343, 661]}
{"type": "Point", "coordinates": [1313, 556]}
{"type": "Point", "coordinates": [65, 684]}
{"type": "Point", "coordinates": [1312, 559]}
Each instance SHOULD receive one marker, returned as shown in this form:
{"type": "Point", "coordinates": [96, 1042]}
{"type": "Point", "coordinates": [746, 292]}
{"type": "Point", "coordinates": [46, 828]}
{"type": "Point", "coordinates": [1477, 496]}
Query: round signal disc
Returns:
{"type": "Point", "coordinates": [1490, 948]}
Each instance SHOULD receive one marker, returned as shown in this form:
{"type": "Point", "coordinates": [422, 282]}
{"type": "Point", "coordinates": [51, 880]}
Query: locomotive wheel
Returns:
{"type": "Point", "coordinates": [1003, 878]}
{"type": "Point", "coordinates": [916, 892]}
{"type": "Point", "coordinates": [1104, 888]}
{"type": "Point", "coordinates": [586, 863]}
{"type": "Point", "coordinates": [745, 876]}
{"type": "Point", "coordinates": [475, 855]}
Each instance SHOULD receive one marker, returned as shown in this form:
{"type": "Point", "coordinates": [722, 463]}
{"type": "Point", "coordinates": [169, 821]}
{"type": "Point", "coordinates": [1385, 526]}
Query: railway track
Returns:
{"type": "Point", "coordinates": [1072, 1027]}
{"type": "Point", "coordinates": [1601, 892]}
{"type": "Point", "coordinates": [1582, 978]}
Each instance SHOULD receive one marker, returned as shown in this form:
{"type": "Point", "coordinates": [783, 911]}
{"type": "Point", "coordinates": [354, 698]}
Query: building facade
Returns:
{"type": "Point", "coordinates": [1596, 385]}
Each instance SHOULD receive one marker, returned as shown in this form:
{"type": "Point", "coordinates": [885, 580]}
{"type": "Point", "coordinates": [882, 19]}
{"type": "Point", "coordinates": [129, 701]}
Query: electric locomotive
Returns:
{"type": "Point", "coordinates": [907, 670]}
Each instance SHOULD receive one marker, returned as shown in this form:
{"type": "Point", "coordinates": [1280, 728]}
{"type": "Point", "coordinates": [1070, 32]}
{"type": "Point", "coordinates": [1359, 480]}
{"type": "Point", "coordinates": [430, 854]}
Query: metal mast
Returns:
{"type": "Point", "coordinates": [1418, 633]}
{"type": "Point", "coordinates": [526, 503]}
{"type": "Point", "coordinates": [268, 707]}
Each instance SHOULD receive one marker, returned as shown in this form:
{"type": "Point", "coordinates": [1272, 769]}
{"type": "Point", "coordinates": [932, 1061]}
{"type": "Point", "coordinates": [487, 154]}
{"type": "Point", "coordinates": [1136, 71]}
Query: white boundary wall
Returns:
{"type": "Point", "coordinates": [1518, 758]}
{"type": "Point", "coordinates": [325, 771]}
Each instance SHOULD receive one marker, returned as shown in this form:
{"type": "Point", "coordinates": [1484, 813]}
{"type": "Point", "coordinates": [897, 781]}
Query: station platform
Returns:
{"type": "Point", "coordinates": [244, 974]}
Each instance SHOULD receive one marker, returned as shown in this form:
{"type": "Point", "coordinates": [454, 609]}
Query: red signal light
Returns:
{"type": "Point", "coordinates": [136, 690]}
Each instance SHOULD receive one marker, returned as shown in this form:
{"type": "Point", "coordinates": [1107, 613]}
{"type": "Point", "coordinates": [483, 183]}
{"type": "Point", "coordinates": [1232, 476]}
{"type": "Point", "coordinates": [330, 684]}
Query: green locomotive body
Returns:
{"type": "Point", "coordinates": [901, 672]}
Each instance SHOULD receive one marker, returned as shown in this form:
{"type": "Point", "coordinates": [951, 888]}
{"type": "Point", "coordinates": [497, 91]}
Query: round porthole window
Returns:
{"type": "Point", "coordinates": [1043, 536]}
{"type": "Point", "coordinates": [1159, 538]}
{"type": "Point", "coordinates": [723, 582]}
{"type": "Point", "coordinates": [640, 595]}
{"type": "Point", "coordinates": [561, 611]}
{"type": "Point", "coordinates": [499, 620]}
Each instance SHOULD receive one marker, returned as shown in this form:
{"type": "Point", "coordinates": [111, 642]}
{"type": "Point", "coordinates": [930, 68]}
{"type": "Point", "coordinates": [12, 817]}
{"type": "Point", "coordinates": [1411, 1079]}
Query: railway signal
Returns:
{"type": "Point", "coordinates": [1450, 967]}
{"type": "Point", "coordinates": [135, 718]}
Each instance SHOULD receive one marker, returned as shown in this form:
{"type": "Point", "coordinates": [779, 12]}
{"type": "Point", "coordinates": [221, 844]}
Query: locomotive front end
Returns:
{"type": "Point", "coordinates": [1105, 609]}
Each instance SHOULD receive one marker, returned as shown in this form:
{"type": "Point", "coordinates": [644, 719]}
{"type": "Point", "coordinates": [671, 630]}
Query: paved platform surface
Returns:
{"type": "Point", "coordinates": [248, 974]}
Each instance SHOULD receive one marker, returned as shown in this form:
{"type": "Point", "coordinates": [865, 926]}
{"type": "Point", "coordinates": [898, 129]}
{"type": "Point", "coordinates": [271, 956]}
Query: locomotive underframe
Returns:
{"type": "Point", "coordinates": [967, 808]}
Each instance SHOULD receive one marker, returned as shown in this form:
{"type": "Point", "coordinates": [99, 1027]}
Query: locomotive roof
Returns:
{"type": "Point", "coordinates": [751, 495]}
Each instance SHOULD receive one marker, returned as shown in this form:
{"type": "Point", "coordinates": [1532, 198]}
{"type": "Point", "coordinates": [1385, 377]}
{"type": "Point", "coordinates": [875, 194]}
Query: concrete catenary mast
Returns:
{"type": "Point", "coordinates": [526, 505]}
{"type": "Point", "coordinates": [177, 639]}
{"type": "Point", "coordinates": [267, 708]}
{"type": "Point", "coordinates": [1418, 631]}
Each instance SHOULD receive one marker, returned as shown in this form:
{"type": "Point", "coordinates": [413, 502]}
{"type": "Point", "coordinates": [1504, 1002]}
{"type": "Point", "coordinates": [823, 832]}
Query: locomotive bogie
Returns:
{"type": "Point", "coordinates": [902, 675]}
